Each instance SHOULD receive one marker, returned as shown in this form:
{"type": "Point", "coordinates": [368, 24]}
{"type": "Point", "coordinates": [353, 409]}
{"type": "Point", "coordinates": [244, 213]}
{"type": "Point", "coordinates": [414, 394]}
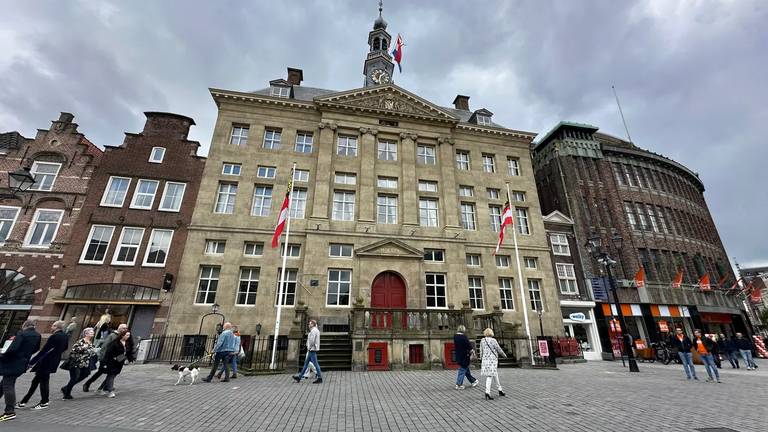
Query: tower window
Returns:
{"type": "Point", "coordinates": [383, 44]}
{"type": "Point", "coordinates": [376, 44]}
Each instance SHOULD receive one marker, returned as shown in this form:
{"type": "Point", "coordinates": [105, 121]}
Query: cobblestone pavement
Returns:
{"type": "Point", "coordinates": [596, 396]}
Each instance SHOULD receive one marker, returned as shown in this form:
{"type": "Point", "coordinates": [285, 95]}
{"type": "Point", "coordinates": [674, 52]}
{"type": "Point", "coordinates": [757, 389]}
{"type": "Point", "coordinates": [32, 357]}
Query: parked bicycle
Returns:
{"type": "Point", "coordinates": [663, 352]}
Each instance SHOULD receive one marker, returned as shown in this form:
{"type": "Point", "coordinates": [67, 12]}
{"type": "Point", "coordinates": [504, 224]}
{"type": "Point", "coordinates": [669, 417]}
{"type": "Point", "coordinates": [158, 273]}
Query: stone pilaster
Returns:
{"type": "Point", "coordinates": [324, 170]}
{"type": "Point", "coordinates": [408, 179]}
{"type": "Point", "coordinates": [367, 197]}
{"type": "Point", "coordinates": [448, 189]}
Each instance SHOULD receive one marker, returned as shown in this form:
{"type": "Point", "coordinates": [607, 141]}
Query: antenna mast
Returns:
{"type": "Point", "coordinates": [623, 120]}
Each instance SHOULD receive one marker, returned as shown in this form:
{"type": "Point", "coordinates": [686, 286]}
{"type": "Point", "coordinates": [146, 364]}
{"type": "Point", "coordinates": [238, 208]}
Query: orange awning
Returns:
{"type": "Point", "coordinates": [655, 311]}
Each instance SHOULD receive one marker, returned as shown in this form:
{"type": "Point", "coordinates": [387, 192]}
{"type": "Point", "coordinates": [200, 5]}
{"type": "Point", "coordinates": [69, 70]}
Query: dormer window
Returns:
{"type": "Point", "coordinates": [483, 120]}
{"type": "Point", "coordinates": [280, 91]}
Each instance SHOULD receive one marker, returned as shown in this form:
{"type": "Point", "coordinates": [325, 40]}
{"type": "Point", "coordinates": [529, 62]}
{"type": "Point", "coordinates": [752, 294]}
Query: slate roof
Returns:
{"type": "Point", "coordinates": [11, 140]}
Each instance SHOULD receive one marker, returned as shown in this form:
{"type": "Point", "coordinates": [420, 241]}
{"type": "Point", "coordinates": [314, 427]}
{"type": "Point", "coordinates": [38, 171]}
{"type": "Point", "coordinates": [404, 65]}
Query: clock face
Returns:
{"type": "Point", "coordinates": [380, 76]}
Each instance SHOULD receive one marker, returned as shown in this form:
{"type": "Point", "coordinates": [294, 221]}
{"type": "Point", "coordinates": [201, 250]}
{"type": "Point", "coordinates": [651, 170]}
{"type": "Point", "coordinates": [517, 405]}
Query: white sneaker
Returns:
{"type": "Point", "coordinates": [459, 387]}
{"type": "Point", "coordinates": [111, 395]}
{"type": "Point", "coordinates": [101, 392]}
{"type": "Point", "coordinates": [474, 384]}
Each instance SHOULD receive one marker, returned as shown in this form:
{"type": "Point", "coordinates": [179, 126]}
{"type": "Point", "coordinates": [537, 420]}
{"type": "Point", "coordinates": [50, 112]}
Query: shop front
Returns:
{"type": "Point", "coordinates": [579, 323]}
{"type": "Point", "coordinates": [17, 294]}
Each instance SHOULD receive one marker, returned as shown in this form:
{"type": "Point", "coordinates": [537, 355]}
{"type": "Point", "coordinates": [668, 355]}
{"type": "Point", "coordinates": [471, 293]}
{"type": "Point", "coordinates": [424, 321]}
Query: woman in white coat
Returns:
{"type": "Point", "coordinates": [490, 352]}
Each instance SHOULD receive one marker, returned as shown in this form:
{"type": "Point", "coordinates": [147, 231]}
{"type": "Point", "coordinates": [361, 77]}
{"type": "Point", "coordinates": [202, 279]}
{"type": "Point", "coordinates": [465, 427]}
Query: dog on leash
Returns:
{"type": "Point", "coordinates": [186, 372]}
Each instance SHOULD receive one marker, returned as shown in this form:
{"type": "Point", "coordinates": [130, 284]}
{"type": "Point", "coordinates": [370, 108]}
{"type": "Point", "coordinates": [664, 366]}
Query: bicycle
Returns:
{"type": "Point", "coordinates": [663, 352]}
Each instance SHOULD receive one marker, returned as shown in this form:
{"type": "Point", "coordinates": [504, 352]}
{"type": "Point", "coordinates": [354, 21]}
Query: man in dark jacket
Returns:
{"type": "Point", "coordinates": [729, 348]}
{"type": "Point", "coordinates": [122, 329]}
{"type": "Point", "coordinates": [684, 345]}
{"type": "Point", "coordinates": [45, 363]}
{"type": "Point", "coordinates": [14, 362]}
{"type": "Point", "coordinates": [744, 346]}
{"type": "Point", "coordinates": [463, 349]}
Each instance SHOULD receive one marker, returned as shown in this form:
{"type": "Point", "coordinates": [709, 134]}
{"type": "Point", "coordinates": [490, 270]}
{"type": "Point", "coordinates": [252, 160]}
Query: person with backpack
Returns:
{"type": "Point", "coordinates": [46, 362]}
{"type": "Point", "coordinates": [13, 363]}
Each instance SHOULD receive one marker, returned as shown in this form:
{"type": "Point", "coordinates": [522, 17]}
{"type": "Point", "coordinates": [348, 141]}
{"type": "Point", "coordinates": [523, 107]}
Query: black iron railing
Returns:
{"type": "Point", "coordinates": [197, 349]}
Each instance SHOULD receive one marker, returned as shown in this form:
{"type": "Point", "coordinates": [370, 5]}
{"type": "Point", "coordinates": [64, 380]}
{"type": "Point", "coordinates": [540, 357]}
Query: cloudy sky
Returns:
{"type": "Point", "coordinates": [692, 75]}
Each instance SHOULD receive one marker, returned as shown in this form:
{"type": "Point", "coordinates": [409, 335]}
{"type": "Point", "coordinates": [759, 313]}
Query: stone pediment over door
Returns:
{"type": "Point", "coordinates": [389, 249]}
{"type": "Point", "coordinates": [389, 100]}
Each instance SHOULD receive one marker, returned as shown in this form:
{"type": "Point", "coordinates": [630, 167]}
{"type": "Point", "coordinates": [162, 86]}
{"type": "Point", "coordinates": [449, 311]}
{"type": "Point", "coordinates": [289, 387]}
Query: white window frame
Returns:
{"type": "Point", "coordinates": [489, 163]}
{"type": "Point", "coordinates": [436, 286]}
{"type": "Point", "coordinates": [386, 150]}
{"type": "Point", "coordinates": [229, 197]}
{"type": "Point", "coordinates": [12, 221]}
{"type": "Point", "coordinates": [566, 280]}
{"type": "Point", "coordinates": [513, 166]}
{"type": "Point", "coordinates": [31, 229]}
{"type": "Point", "coordinates": [266, 172]}
{"type": "Point", "coordinates": [121, 245]}
{"type": "Point", "coordinates": [263, 201]}
{"type": "Point", "coordinates": [255, 246]}
{"type": "Point", "coordinates": [301, 176]}
{"type": "Point", "coordinates": [109, 187]}
{"type": "Point", "coordinates": [33, 172]}
{"type": "Point", "coordinates": [212, 246]}
{"type": "Point", "coordinates": [145, 263]}
{"type": "Point", "coordinates": [165, 194]}
{"type": "Point", "coordinates": [493, 193]}
{"type": "Point", "coordinates": [521, 220]}
{"type": "Point", "coordinates": [343, 209]}
{"type": "Point", "coordinates": [386, 182]}
{"type": "Point", "coordinates": [152, 154]}
{"type": "Point", "coordinates": [137, 193]}
{"type": "Point", "coordinates": [476, 297]}
{"type": "Point", "coordinates": [289, 272]}
{"type": "Point", "coordinates": [468, 213]}
{"type": "Point", "coordinates": [518, 196]}
{"type": "Point", "coordinates": [466, 191]}
{"type": "Point", "coordinates": [306, 145]}
{"type": "Point", "coordinates": [429, 216]}
{"type": "Point", "coordinates": [483, 120]}
{"type": "Point", "coordinates": [210, 279]}
{"type": "Point", "coordinates": [474, 260]}
{"type": "Point", "coordinates": [342, 249]}
{"type": "Point", "coordinates": [462, 160]}
{"type": "Point", "coordinates": [494, 216]}
{"type": "Point", "coordinates": [429, 186]}
{"type": "Point", "coordinates": [531, 263]}
{"type": "Point", "coordinates": [349, 146]}
{"type": "Point", "coordinates": [298, 203]}
{"type": "Point", "coordinates": [280, 91]}
{"type": "Point", "coordinates": [291, 248]}
{"type": "Point", "coordinates": [432, 252]}
{"type": "Point", "coordinates": [500, 261]}
{"type": "Point", "coordinates": [534, 295]}
{"type": "Point", "coordinates": [237, 137]}
{"type": "Point", "coordinates": [231, 167]}
{"type": "Point", "coordinates": [272, 139]}
{"type": "Point", "coordinates": [339, 282]}
{"type": "Point", "coordinates": [426, 154]}
{"type": "Point", "coordinates": [387, 203]}
{"type": "Point", "coordinates": [88, 240]}
{"type": "Point", "coordinates": [506, 293]}
{"type": "Point", "coordinates": [560, 244]}
{"type": "Point", "coordinates": [249, 280]}
{"type": "Point", "coordinates": [349, 179]}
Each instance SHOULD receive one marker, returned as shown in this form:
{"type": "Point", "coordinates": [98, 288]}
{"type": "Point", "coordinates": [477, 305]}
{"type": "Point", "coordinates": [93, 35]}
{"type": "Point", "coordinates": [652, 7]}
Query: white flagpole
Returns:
{"type": "Point", "coordinates": [524, 304]}
{"type": "Point", "coordinates": [281, 284]}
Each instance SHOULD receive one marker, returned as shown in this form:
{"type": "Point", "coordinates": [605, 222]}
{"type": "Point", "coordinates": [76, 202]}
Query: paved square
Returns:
{"type": "Point", "coordinates": [597, 396]}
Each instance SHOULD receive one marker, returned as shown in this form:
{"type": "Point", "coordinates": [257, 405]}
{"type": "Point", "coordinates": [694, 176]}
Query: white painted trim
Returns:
{"type": "Point", "coordinates": [13, 222]}
{"type": "Point", "coordinates": [165, 191]}
{"type": "Point", "coordinates": [577, 303]}
{"type": "Point", "coordinates": [136, 192]}
{"type": "Point", "coordinates": [88, 243]}
{"type": "Point", "coordinates": [32, 226]}
{"type": "Point", "coordinates": [144, 262]}
{"type": "Point", "coordinates": [119, 244]}
{"type": "Point", "coordinates": [106, 191]}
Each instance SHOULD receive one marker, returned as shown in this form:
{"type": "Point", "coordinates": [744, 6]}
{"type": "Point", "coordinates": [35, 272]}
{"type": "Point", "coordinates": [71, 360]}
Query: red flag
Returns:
{"type": "Point", "coordinates": [397, 53]}
{"type": "Point", "coordinates": [677, 282]}
{"type": "Point", "coordinates": [756, 296]}
{"type": "Point", "coordinates": [506, 219]}
{"type": "Point", "coordinates": [640, 277]}
{"type": "Point", "coordinates": [704, 283]}
{"type": "Point", "coordinates": [283, 217]}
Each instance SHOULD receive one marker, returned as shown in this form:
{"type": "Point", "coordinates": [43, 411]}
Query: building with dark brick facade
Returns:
{"type": "Point", "coordinates": [36, 225]}
{"type": "Point", "coordinates": [126, 248]}
{"type": "Point", "coordinates": [612, 187]}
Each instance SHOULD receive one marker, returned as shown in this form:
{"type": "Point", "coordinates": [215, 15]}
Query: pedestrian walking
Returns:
{"type": "Point", "coordinates": [118, 353]}
{"type": "Point", "coordinates": [705, 347]}
{"type": "Point", "coordinates": [313, 346]}
{"type": "Point", "coordinates": [729, 348]}
{"type": "Point", "coordinates": [233, 359]}
{"type": "Point", "coordinates": [71, 327]}
{"type": "Point", "coordinates": [684, 346]}
{"type": "Point", "coordinates": [13, 363]}
{"type": "Point", "coordinates": [489, 353]}
{"type": "Point", "coordinates": [103, 343]}
{"type": "Point", "coordinates": [46, 362]}
{"type": "Point", "coordinates": [224, 348]}
{"type": "Point", "coordinates": [82, 359]}
{"type": "Point", "coordinates": [311, 371]}
{"type": "Point", "coordinates": [744, 345]}
{"type": "Point", "coordinates": [464, 352]}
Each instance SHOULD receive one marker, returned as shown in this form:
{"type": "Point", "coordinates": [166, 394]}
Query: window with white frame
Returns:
{"type": "Point", "coordinates": [225, 198]}
{"type": "Point", "coordinates": [301, 176]}
{"type": "Point", "coordinates": [502, 261]}
{"type": "Point", "coordinates": [44, 174]}
{"type": "Point", "coordinates": [473, 260]}
{"type": "Point", "coordinates": [560, 244]}
{"type": "Point", "coordinates": [248, 286]}
{"type": "Point", "coordinates": [386, 209]}
{"type": "Point", "coordinates": [435, 284]}
{"type": "Point", "coordinates": [475, 284]}
{"type": "Point", "coordinates": [173, 194]}
{"type": "Point", "coordinates": [434, 255]}
{"type": "Point", "coordinates": [494, 214]}
{"type": "Point", "coordinates": [215, 247]}
{"type": "Point", "coordinates": [531, 263]}
{"type": "Point", "coordinates": [289, 287]}
{"type": "Point", "coordinates": [468, 220]}
{"type": "Point", "coordinates": [262, 200]}
{"type": "Point", "coordinates": [144, 195]}
{"type": "Point", "coordinates": [346, 146]}
{"type": "Point", "coordinates": [294, 250]}
{"type": "Point", "coordinates": [489, 163]}
{"type": "Point", "coordinates": [506, 294]}
{"type": "Point", "coordinates": [339, 287]}
{"type": "Point", "coordinates": [157, 154]}
{"type": "Point", "coordinates": [97, 244]}
{"type": "Point", "coordinates": [343, 205]}
{"type": "Point", "coordinates": [513, 166]}
{"type": "Point", "coordinates": [534, 293]}
{"type": "Point", "coordinates": [483, 120]}
{"type": "Point", "coordinates": [239, 135]}
{"type": "Point", "coordinates": [345, 178]}
{"type": "Point", "coordinates": [518, 196]}
{"type": "Point", "coordinates": [338, 250]}
{"type": "Point", "coordinates": [298, 203]}
{"type": "Point", "coordinates": [280, 91]}
{"type": "Point", "coordinates": [272, 138]}
{"type": "Point", "coordinates": [304, 141]}
{"type": "Point", "coordinates": [522, 221]}
{"type": "Point", "coordinates": [425, 155]}
{"type": "Point", "coordinates": [266, 172]}
{"type": "Point", "coordinates": [231, 169]}
{"type": "Point", "coordinates": [566, 278]}
{"type": "Point", "coordinates": [427, 186]}
{"type": "Point", "coordinates": [45, 225]}
{"type": "Point", "coordinates": [7, 220]}
{"type": "Point", "coordinates": [466, 191]}
{"type": "Point", "coordinates": [114, 194]}
{"type": "Point", "coordinates": [128, 246]}
{"type": "Point", "coordinates": [253, 249]}
{"type": "Point", "coordinates": [159, 246]}
{"type": "Point", "coordinates": [387, 150]}
{"type": "Point", "coordinates": [462, 160]}
{"type": "Point", "coordinates": [207, 285]}
{"type": "Point", "coordinates": [387, 182]}
{"type": "Point", "coordinates": [428, 212]}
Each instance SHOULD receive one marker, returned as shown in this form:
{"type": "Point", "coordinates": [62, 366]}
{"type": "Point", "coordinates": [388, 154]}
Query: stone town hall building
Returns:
{"type": "Point", "coordinates": [396, 211]}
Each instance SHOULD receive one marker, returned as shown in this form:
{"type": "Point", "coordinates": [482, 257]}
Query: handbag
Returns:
{"type": "Point", "coordinates": [241, 354]}
{"type": "Point", "coordinates": [66, 365]}
{"type": "Point", "coordinates": [121, 358]}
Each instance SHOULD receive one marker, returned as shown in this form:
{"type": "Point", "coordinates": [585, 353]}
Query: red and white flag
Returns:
{"type": "Point", "coordinates": [283, 215]}
{"type": "Point", "coordinates": [756, 295]}
{"type": "Point", "coordinates": [704, 284]}
{"type": "Point", "coordinates": [506, 219]}
{"type": "Point", "coordinates": [677, 282]}
{"type": "Point", "coordinates": [640, 278]}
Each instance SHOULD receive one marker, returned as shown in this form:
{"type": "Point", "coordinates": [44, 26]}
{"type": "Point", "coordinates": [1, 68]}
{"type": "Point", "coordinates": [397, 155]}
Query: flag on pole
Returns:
{"type": "Point", "coordinates": [733, 287]}
{"type": "Point", "coordinates": [506, 219]}
{"type": "Point", "coordinates": [756, 295]}
{"type": "Point", "coordinates": [704, 284]}
{"type": "Point", "coordinates": [640, 277]}
{"type": "Point", "coordinates": [677, 282]}
{"type": "Point", "coordinates": [397, 53]}
{"type": "Point", "coordinates": [283, 215]}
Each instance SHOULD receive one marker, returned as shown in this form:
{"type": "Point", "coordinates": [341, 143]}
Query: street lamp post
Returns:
{"type": "Point", "coordinates": [594, 246]}
{"type": "Point", "coordinates": [18, 181]}
{"type": "Point", "coordinates": [214, 311]}
{"type": "Point", "coordinates": [541, 324]}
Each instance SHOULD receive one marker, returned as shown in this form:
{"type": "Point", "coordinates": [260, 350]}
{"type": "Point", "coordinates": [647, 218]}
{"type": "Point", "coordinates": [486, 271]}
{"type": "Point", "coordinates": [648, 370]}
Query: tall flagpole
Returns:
{"type": "Point", "coordinates": [524, 305]}
{"type": "Point", "coordinates": [629, 138]}
{"type": "Point", "coordinates": [281, 285]}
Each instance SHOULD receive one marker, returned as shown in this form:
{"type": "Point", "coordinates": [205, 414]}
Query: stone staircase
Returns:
{"type": "Point", "coordinates": [509, 362]}
{"type": "Point", "coordinates": [335, 352]}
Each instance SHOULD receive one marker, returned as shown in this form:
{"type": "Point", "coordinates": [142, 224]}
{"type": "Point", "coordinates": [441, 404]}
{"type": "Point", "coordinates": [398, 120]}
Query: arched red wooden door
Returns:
{"type": "Point", "coordinates": [387, 292]}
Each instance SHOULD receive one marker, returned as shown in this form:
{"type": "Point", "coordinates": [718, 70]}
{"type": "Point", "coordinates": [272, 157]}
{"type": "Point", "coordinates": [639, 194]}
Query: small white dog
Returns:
{"type": "Point", "coordinates": [185, 373]}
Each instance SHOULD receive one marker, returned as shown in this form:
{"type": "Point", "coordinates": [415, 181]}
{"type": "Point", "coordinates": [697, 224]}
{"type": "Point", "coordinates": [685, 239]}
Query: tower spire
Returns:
{"type": "Point", "coordinates": [381, 6]}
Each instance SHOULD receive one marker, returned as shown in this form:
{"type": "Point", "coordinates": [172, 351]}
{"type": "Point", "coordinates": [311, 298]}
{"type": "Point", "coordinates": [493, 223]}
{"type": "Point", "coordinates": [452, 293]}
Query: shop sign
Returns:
{"type": "Point", "coordinates": [577, 316]}
{"type": "Point", "coordinates": [663, 326]}
{"type": "Point", "coordinates": [615, 326]}
{"type": "Point", "coordinates": [543, 348]}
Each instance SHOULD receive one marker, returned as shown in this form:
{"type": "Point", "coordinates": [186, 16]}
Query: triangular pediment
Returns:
{"type": "Point", "coordinates": [559, 218]}
{"type": "Point", "coordinates": [389, 248]}
{"type": "Point", "coordinates": [388, 100]}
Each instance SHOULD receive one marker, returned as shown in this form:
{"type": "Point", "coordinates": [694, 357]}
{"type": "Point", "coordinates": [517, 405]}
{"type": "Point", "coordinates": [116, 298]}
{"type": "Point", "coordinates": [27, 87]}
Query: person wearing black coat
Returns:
{"type": "Point", "coordinates": [684, 345]}
{"type": "Point", "coordinates": [14, 362]}
{"type": "Point", "coordinates": [45, 363]}
{"type": "Point", "coordinates": [463, 349]}
{"type": "Point", "coordinates": [744, 345]}
{"type": "Point", "coordinates": [117, 353]}
{"type": "Point", "coordinates": [729, 348]}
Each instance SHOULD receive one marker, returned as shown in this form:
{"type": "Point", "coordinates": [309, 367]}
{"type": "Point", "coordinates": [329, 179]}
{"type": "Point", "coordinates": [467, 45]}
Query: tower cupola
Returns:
{"type": "Point", "coordinates": [378, 67]}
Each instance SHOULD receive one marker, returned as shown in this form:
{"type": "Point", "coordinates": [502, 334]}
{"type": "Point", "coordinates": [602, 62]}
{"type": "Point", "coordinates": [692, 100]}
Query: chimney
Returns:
{"type": "Point", "coordinates": [66, 117]}
{"type": "Point", "coordinates": [461, 102]}
{"type": "Point", "coordinates": [295, 76]}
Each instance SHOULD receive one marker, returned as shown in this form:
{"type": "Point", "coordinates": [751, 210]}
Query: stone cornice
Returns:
{"type": "Point", "coordinates": [496, 131]}
{"type": "Point", "coordinates": [243, 97]}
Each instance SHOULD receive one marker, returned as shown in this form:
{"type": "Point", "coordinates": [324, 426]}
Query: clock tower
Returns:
{"type": "Point", "coordinates": [378, 67]}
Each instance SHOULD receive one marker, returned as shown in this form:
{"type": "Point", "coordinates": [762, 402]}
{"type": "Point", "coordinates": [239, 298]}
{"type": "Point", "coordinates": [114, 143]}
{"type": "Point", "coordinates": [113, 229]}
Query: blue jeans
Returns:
{"type": "Point", "coordinates": [233, 364]}
{"type": "Point", "coordinates": [464, 372]}
{"type": "Point", "coordinates": [747, 355]}
{"type": "Point", "coordinates": [709, 365]}
{"type": "Point", "coordinates": [687, 359]}
{"type": "Point", "coordinates": [311, 357]}
{"type": "Point", "coordinates": [733, 357]}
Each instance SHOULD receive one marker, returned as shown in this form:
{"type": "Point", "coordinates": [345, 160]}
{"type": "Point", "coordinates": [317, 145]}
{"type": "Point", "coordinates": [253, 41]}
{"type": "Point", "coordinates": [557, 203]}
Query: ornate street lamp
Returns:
{"type": "Point", "coordinates": [214, 311]}
{"type": "Point", "coordinates": [18, 181]}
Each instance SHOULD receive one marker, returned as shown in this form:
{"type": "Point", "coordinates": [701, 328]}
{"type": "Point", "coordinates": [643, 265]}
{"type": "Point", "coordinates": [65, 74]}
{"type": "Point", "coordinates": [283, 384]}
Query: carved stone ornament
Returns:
{"type": "Point", "coordinates": [405, 135]}
{"type": "Point", "coordinates": [445, 140]}
{"type": "Point", "coordinates": [389, 102]}
{"type": "Point", "coordinates": [371, 131]}
{"type": "Point", "coordinates": [327, 124]}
